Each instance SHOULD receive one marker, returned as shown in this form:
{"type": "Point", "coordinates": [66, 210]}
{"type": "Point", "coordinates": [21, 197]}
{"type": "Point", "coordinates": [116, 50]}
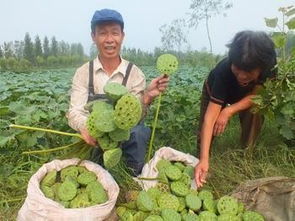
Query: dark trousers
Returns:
{"type": "Point", "coordinates": [134, 149]}
{"type": "Point", "coordinates": [251, 124]}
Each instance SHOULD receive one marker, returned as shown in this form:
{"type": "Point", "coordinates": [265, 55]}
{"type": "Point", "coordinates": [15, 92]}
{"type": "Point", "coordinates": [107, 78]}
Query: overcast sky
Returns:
{"type": "Point", "coordinates": [69, 20]}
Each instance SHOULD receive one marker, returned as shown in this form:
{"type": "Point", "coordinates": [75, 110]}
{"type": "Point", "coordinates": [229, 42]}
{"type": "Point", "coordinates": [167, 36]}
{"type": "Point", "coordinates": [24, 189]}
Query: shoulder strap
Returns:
{"type": "Point", "coordinates": [90, 82]}
{"type": "Point", "coordinates": [128, 70]}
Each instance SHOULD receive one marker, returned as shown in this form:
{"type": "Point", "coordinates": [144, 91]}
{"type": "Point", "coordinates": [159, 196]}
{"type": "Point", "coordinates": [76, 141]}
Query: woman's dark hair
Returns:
{"type": "Point", "coordinates": [252, 49]}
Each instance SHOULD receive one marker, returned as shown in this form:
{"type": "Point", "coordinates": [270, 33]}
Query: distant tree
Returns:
{"type": "Point", "coordinates": [28, 48]}
{"type": "Point", "coordinates": [8, 50]}
{"type": "Point", "coordinates": [64, 48]}
{"type": "Point", "coordinates": [54, 47]}
{"type": "Point", "coordinates": [1, 52]}
{"type": "Point", "coordinates": [204, 10]}
{"type": "Point", "coordinates": [46, 49]}
{"type": "Point", "coordinates": [174, 35]}
{"type": "Point", "coordinates": [93, 51]}
{"type": "Point", "coordinates": [37, 47]}
{"type": "Point", "coordinates": [19, 49]}
{"type": "Point", "coordinates": [80, 50]}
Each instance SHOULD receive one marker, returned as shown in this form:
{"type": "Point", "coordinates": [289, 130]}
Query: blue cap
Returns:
{"type": "Point", "coordinates": [106, 15]}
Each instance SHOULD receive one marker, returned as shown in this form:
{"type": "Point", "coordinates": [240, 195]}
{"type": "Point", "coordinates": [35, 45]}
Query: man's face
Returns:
{"type": "Point", "coordinates": [108, 38]}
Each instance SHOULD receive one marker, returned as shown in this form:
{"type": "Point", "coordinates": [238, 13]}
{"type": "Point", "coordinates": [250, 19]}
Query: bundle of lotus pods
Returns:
{"type": "Point", "coordinates": [73, 187]}
{"type": "Point", "coordinates": [110, 121]}
{"type": "Point", "coordinates": [173, 199]}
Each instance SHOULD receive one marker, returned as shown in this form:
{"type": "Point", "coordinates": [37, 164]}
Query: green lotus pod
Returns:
{"type": "Point", "coordinates": [227, 204]}
{"type": "Point", "coordinates": [144, 202]}
{"type": "Point", "coordinates": [81, 190]}
{"type": "Point", "coordinates": [120, 211]}
{"type": "Point", "coordinates": [86, 177]}
{"type": "Point", "coordinates": [106, 143]}
{"type": "Point", "coordinates": [170, 215]}
{"type": "Point", "coordinates": [193, 202]}
{"type": "Point", "coordinates": [49, 178]}
{"type": "Point", "coordinates": [183, 212]}
{"type": "Point", "coordinates": [180, 166]}
{"type": "Point", "coordinates": [130, 205]}
{"type": "Point", "coordinates": [179, 188]}
{"type": "Point", "coordinates": [67, 191]}
{"type": "Point", "coordinates": [104, 120]}
{"type": "Point", "coordinates": [82, 169]}
{"type": "Point", "coordinates": [131, 195]}
{"type": "Point", "coordinates": [162, 177]}
{"type": "Point", "coordinates": [55, 188]}
{"type": "Point", "coordinates": [127, 216]}
{"type": "Point", "coordinates": [65, 204]}
{"type": "Point", "coordinates": [156, 211]}
{"type": "Point", "coordinates": [154, 218]}
{"type": "Point", "coordinates": [205, 194]}
{"type": "Point", "coordinates": [228, 217]}
{"type": "Point", "coordinates": [190, 217]}
{"type": "Point", "coordinates": [241, 207]}
{"type": "Point", "coordinates": [69, 171]}
{"type": "Point", "coordinates": [80, 201]}
{"type": "Point", "coordinates": [119, 135]}
{"type": "Point", "coordinates": [91, 127]}
{"type": "Point", "coordinates": [168, 201]}
{"type": "Point", "coordinates": [96, 192]}
{"type": "Point", "coordinates": [186, 179]}
{"type": "Point", "coordinates": [128, 112]}
{"type": "Point", "coordinates": [182, 204]}
{"type": "Point", "coordinates": [207, 216]}
{"type": "Point", "coordinates": [73, 180]}
{"type": "Point", "coordinates": [112, 157]}
{"type": "Point", "coordinates": [114, 91]}
{"type": "Point", "coordinates": [163, 187]}
{"type": "Point", "coordinates": [161, 164]}
{"type": "Point", "coordinates": [189, 170]}
{"type": "Point", "coordinates": [140, 216]}
{"type": "Point", "coordinates": [252, 216]}
{"type": "Point", "coordinates": [154, 192]}
{"type": "Point", "coordinates": [48, 192]}
{"type": "Point", "coordinates": [98, 105]}
{"type": "Point", "coordinates": [210, 205]}
{"type": "Point", "coordinates": [173, 173]}
{"type": "Point", "coordinates": [167, 64]}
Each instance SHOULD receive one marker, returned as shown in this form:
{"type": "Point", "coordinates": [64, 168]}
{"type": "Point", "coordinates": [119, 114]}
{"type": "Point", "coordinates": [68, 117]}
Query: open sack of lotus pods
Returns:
{"type": "Point", "coordinates": [69, 190]}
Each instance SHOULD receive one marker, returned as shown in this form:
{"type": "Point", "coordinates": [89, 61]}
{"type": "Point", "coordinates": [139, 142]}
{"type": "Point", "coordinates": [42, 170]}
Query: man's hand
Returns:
{"type": "Point", "coordinates": [222, 120]}
{"type": "Point", "coordinates": [157, 86]}
{"type": "Point", "coordinates": [201, 170]}
{"type": "Point", "coordinates": [87, 138]}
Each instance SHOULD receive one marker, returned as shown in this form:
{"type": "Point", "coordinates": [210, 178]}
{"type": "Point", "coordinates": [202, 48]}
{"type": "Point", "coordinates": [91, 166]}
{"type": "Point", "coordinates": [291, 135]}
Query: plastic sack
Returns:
{"type": "Point", "coordinates": [150, 171]}
{"type": "Point", "coordinates": [273, 197]}
{"type": "Point", "coordinates": [38, 207]}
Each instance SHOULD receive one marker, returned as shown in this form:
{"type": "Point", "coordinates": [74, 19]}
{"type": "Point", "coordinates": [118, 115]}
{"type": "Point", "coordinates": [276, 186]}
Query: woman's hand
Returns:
{"type": "Point", "coordinates": [222, 120]}
{"type": "Point", "coordinates": [201, 170]}
{"type": "Point", "coordinates": [87, 137]}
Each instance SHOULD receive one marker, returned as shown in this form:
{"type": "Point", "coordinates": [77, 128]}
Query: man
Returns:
{"type": "Point", "coordinates": [107, 32]}
{"type": "Point", "coordinates": [229, 89]}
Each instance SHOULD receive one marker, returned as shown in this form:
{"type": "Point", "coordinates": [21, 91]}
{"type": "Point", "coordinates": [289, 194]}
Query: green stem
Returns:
{"type": "Point", "coordinates": [154, 128]}
{"type": "Point", "coordinates": [12, 200]}
{"type": "Point", "coordinates": [52, 149]}
{"type": "Point", "coordinates": [45, 130]}
{"type": "Point", "coordinates": [147, 178]}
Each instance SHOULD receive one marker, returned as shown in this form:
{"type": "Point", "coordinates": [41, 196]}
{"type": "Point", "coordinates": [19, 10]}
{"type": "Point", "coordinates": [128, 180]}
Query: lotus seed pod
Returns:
{"type": "Point", "coordinates": [180, 166]}
{"type": "Point", "coordinates": [49, 179]}
{"type": "Point", "coordinates": [127, 216]}
{"type": "Point", "coordinates": [144, 202]}
{"type": "Point", "coordinates": [104, 121]}
{"type": "Point", "coordinates": [227, 204]}
{"type": "Point", "coordinates": [162, 177]}
{"type": "Point", "coordinates": [190, 171]}
{"type": "Point", "coordinates": [140, 216]}
{"type": "Point", "coordinates": [173, 173]}
{"type": "Point", "coordinates": [73, 180]}
{"type": "Point", "coordinates": [119, 135]}
{"type": "Point", "coordinates": [168, 201]}
{"type": "Point", "coordinates": [55, 189]}
{"type": "Point", "coordinates": [252, 216]}
{"type": "Point", "coordinates": [210, 205]}
{"type": "Point", "coordinates": [106, 143]}
{"type": "Point", "coordinates": [241, 207]}
{"type": "Point", "coordinates": [82, 169]}
{"type": "Point", "coordinates": [67, 191]}
{"type": "Point", "coordinates": [80, 201]}
{"type": "Point", "coordinates": [205, 194]}
{"type": "Point", "coordinates": [161, 164]}
{"type": "Point", "coordinates": [182, 204]}
{"type": "Point", "coordinates": [186, 179]}
{"type": "Point", "coordinates": [154, 218]}
{"type": "Point", "coordinates": [93, 186]}
{"type": "Point", "coordinates": [48, 191]}
{"type": "Point", "coordinates": [65, 204]}
{"type": "Point", "coordinates": [156, 211]}
{"type": "Point", "coordinates": [163, 187]}
{"type": "Point", "coordinates": [228, 217]}
{"type": "Point", "coordinates": [167, 64]}
{"type": "Point", "coordinates": [154, 192]}
{"type": "Point", "coordinates": [170, 214]}
{"type": "Point", "coordinates": [207, 216]}
{"type": "Point", "coordinates": [190, 217]}
{"type": "Point", "coordinates": [114, 91]}
{"type": "Point", "coordinates": [96, 193]}
{"type": "Point", "coordinates": [86, 177]}
{"type": "Point", "coordinates": [69, 171]}
{"type": "Point", "coordinates": [179, 189]}
{"type": "Point", "coordinates": [131, 205]}
{"type": "Point", "coordinates": [98, 105]}
{"type": "Point", "coordinates": [193, 202]}
{"type": "Point", "coordinates": [120, 210]}
{"type": "Point", "coordinates": [128, 112]}
{"type": "Point", "coordinates": [112, 157]}
{"type": "Point", "coordinates": [131, 195]}
{"type": "Point", "coordinates": [91, 127]}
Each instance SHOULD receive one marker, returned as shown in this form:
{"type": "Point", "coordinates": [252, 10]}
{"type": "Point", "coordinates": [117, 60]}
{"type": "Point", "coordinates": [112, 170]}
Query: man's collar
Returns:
{"type": "Point", "coordinates": [121, 68]}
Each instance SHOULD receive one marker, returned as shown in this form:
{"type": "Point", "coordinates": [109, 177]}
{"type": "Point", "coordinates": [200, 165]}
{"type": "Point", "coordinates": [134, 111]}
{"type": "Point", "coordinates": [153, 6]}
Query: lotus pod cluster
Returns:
{"type": "Point", "coordinates": [167, 64]}
{"type": "Point", "coordinates": [73, 187]}
{"type": "Point", "coordinates": [110, 120]}
{"type": "Point", "coordinates": [175, 200]}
